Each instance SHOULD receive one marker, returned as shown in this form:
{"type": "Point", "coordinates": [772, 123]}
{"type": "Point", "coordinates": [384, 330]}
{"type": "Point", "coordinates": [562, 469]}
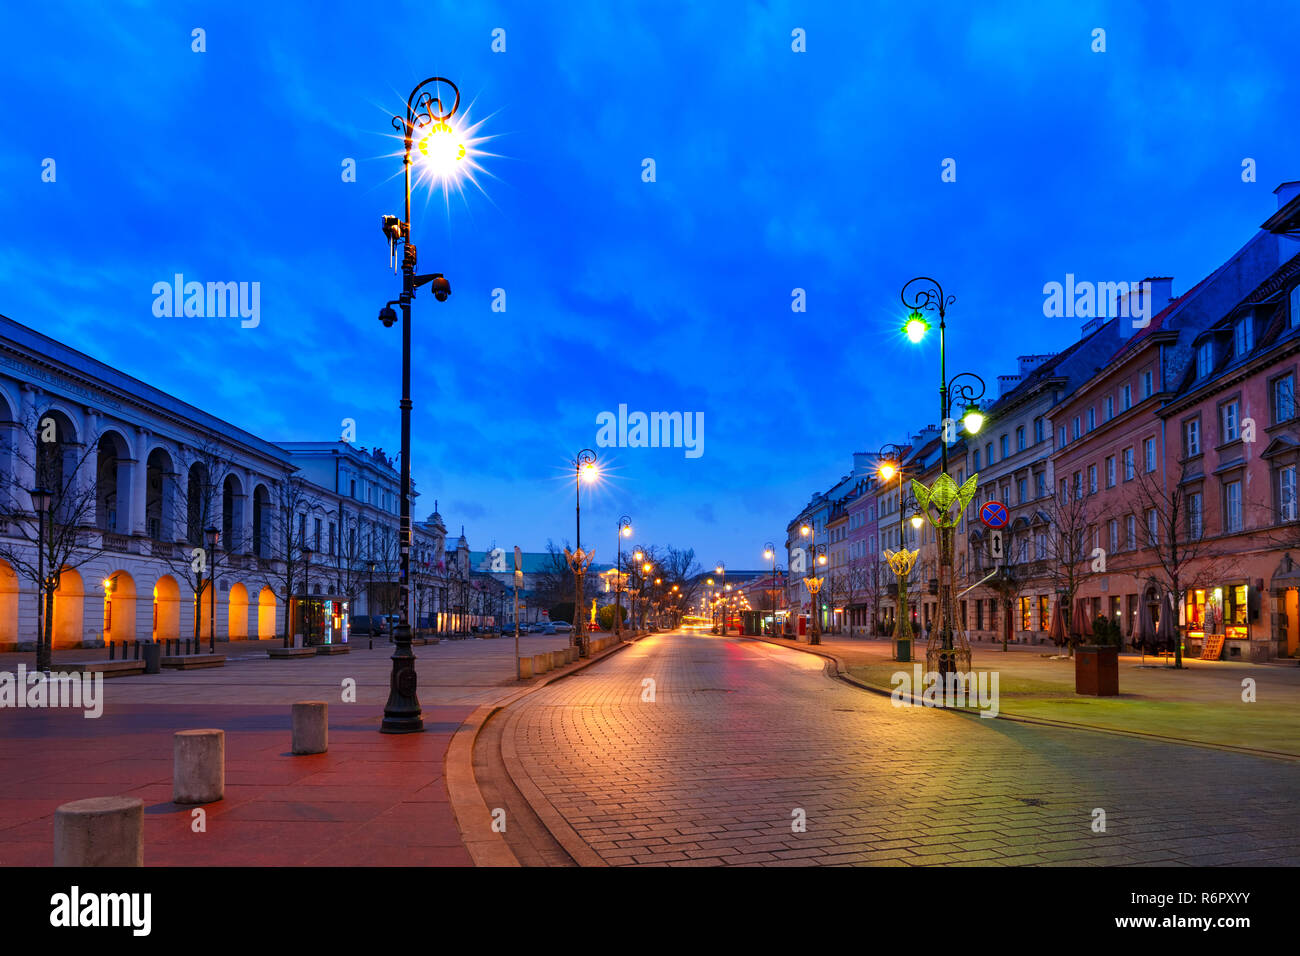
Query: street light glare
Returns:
{"type": "Point", "coordinates": [441, 151]}
{"type": "Point", "coordinates": [916, 327]}
{"type": "Point", "coordinates": [917, 521]}
{"type": "Point", "coordinates": [887, 470]}
{"type": "Point", "coordinates": [589, 472]}
{"type": "Point", "coordinates": [973, 419]}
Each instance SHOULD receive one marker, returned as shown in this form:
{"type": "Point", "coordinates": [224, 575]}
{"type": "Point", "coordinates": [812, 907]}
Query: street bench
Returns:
{"type": "Point", "coordinates": [184, 662]}
{"type": "Point", "coordinates": [283, 653]}
{"type": "Point", "coordinates": [325, 649]}
{"type": "Point", "coordinates": [107, 668]}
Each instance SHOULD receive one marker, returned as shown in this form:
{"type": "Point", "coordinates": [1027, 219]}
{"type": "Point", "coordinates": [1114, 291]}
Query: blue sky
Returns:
{"type": "Point", "coordinates": [775, 170]}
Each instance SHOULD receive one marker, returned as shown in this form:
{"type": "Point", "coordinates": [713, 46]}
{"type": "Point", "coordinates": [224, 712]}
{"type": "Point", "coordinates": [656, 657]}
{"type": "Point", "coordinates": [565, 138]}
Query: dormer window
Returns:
{"type": "Point", "coordinates": [1204, 359]}
{"type": "Point", "coordinates": [1243, 337]}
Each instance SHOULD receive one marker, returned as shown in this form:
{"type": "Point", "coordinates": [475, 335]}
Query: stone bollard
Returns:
{"type": "Point", "coordinates": [541, 663]}
{"type": "Point", "coordinates": [571, 653]}
{"type": "Point", "coordinates": [100, 831]}
{"type": "Point", "coordinates": [525, 667]}
{"type": "Point", "coordinates": [198, 766]}
{"type": "Point", "coordinates": [559, 658]}
{"type": "Point", "coordinates": [311, 732]}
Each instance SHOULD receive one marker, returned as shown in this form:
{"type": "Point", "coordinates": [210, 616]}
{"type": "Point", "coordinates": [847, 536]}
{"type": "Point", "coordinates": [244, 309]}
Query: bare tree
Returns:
{"type": "Point", "coordinates": [287, 537]}
{"type": "Point", "coordinates": [1184, 557]}
{"type": "Point", "coordinates": [1070, 524]}
{"type": "Point", "coordinates": [73, 535]}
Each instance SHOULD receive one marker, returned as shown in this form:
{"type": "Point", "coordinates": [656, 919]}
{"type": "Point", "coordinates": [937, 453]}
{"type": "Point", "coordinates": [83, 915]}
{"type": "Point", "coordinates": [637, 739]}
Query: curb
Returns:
{"type": "Point", "coordinates": [841, 672]}
{"type": "Point", "coordinates": [487, 847]}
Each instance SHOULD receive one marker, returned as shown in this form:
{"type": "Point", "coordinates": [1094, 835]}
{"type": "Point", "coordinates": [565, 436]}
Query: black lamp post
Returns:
{"type": "Point", "coordinates": [370, 605]}
{"type": "Point", "coordinates": [425, 117]}
{"type": "Point", "coordinates": [929, 296]}
{"type": "Point", "coordinates": [41, 502]}
{"type": "Point", "coordinates": [624, 531]}
{"type": "Point", "coordinates": [584, 466]}
{"type": "Point", "coordinates": [212, 536]}
{"type": "Point", "coordinates": [817, 554]}
{"type": "Point", "coordinates": [720, 570]}
{"type": "Point", "coordinates": [304, 606]}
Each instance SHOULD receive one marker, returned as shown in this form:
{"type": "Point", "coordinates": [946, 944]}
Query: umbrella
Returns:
{"type": "Point", "coordinates": [1167, 631]}
{"type": "Point", "coordinates": [1079, 625]}
{"type": "Point", "coordinates": [1057, 631]}
{"type": "Point", "coordinates": [1143, 632]}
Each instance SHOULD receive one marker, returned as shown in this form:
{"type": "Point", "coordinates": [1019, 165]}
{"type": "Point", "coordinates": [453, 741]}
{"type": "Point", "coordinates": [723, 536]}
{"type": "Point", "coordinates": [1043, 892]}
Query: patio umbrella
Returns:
{"type": "Point", "coordinates": [1079, 625]}
{"type": "Point", "coordinates": [1057, 630]}
{"type": "Point", "coordinates": [1167, 631]}
{"type": "Point", "coordinates": [1143, 632]}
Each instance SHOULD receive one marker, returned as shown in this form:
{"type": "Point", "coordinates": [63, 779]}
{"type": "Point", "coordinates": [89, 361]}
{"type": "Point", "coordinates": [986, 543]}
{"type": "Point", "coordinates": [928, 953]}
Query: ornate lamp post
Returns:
{"type": "Point", "coordinates": [41, 502]}
{"type": "Point", "coordinates": [426, 120]}
{"type": "Point", "coordinates": [624, 531]}
{"type": "Point", "coordinates": [769, 552]}
{"type": "Point", "coordinates": [213, 536]}
{"type": "Point", "coordinates": [584, 468]}
{"type": "Point", "coordinates": [948, 649]}
{"type": "Point", "coordinates": [814, 586]}
{"type": "Point", "coordinates": [721, 571]}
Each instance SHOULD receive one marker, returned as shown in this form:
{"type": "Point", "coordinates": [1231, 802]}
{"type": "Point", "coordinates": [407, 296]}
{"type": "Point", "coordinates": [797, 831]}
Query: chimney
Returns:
{"type": "Point", "coordinates": [1162, 293]}
{"type": "Point", "coordinates": [1030, 362]}
{"type": "Point", "coordinates": [1286, 192]}
{"type": "Point", "coordinates": [1006, 383]}
{"type": "Point", "coordinates": [861, 463]}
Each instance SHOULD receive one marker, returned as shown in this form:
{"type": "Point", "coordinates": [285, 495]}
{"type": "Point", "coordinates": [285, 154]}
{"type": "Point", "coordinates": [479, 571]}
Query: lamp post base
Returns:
{"type": "Point", "coordinates": [402, 712]}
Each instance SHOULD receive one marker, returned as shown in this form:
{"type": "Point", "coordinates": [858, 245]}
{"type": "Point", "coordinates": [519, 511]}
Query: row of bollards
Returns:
{"type": "Point", "coordinates": [109, 831]}
{"type": "Point", "coordinates": [171, 646]}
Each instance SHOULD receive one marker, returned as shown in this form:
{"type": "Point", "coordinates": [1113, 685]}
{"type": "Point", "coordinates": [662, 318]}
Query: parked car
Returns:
{"type": "Point", "coordinates": [362, 624]}
{"type": "Point", "coordinates": [564, 626]}
{"type": "Point", "coordinates": [537, 627]}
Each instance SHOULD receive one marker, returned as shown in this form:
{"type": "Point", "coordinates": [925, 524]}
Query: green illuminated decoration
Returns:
{"type": "Point", "coordinates": [936, 501]}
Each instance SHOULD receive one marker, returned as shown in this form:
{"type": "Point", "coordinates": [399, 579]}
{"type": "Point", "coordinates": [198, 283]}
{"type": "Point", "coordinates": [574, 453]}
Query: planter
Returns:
{"type": "Point", "coordinates": [1096, 670]}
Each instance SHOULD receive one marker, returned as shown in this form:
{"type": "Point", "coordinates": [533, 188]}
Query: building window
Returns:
{"type": "Point", "coordinates": [1108, 407]}
{"type": "Point", "coordinates": [1110, 471]}
{"type": "Point", "coordinates": [1229, 422]}
{"type": "Point", "coordinates": [988, 453]}
{"type": "Point", "coordinates": [1026, 624]}
{"type": "Point", "coordinates": [352, 492]}
{"type": "Point", "coordinates": [1232, 507]}
{"type": "Point", "coordinates": [1022, 490]}
{"type": "Point", "coordinates": [1092, 419]}
{"type": "Point", "coordinates": [1044, 616]}
{"type": "Point", "coordinates": [1149, 452]}
{"type": "Point", "coordinates": [1192, 438]}
{"type": "Point", "coordinates": [975, 459]}
{"type": "Point", "coordinates": [1286, 492]}
{"type": "Point", "coordinates": [1062, 436]}
{"type": "Point", "coordinates": [1038, 430]}
{"type": "Point", "coordinates": [331, 537]}
{"type": "Point", "coordinates": [1112, 529]}
{"type": "Point", "coordinates": [1284, 398]}
{"type": "Point", "coordinates": [1074, 432]}
{"type": "Point", "coordinates": [316, 535]}
{"type": "Point", "coordinates": [1128, 464]}
{"type": "Point", "coordinates": [1243, 337]}
{"type": "Point", "coordinates": [1194, 511]}
{"type": "Point", "coordinates": [1040, 484]}
{"type": "Point", "coordinates": [1125, 398]}
{"type": "Point", "coordinates": [1006, 446]}
{"type": "Point", "coordinates": [1078, 484]}
{"type": "Point", "coordinates": [1204, 359]}
{"type": "Point", "coordinates": [1020, 438]}
{"type": "Point", "coordinates": [1153, 528]}
{"type": "Point", "coordinates": [1130, 532]}
{"type": "Point", "coordinates": [1092, 479]}
{"type": "Point", "coordinates": [1147, 384]}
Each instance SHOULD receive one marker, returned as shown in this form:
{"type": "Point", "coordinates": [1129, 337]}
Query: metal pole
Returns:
{"type": "Point", "coordinates": [42, 652]}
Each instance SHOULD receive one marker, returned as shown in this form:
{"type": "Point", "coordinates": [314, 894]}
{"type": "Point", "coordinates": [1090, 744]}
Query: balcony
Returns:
{"type": "Point", "coordinates": [117, 542]}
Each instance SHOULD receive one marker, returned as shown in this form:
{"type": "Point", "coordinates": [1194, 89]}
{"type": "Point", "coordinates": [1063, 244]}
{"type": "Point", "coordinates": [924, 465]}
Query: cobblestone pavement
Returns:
{"type": "Point", "coordinates": [744, 739]}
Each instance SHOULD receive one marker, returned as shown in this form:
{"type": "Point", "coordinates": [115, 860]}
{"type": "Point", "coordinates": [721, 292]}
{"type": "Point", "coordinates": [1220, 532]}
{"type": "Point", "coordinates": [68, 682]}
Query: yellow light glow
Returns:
{"type": "Point", "coordinates": [590, 472]}
{"type": "Point", "coordinates": [441, 151]}
{"type": "Point", "coordinates": [886, 470]}
{"type": "Point", "coordinates": [627, 531]}
{"type": "Point", "coordinates": [917, 521]}
{"type": "Point", "coordinates": [646, 567]}
{"type": "Point", "coordinates": [805, 531]}
{"type": "Point", "coordinates": [768, 554]}
{"type": "Point", "coordinates": [973, 420]}
{"type": "Point", "coordinates": [916, 327]}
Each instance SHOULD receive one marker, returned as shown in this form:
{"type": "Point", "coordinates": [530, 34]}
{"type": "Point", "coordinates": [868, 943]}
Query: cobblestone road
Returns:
{"type": "Point", "coordinates": [743, 739]}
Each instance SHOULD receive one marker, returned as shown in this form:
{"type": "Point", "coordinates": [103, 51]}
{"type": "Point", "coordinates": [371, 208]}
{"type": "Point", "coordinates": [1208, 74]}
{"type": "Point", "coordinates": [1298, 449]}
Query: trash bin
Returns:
{"type": "Point", "coordinates": [152, 657]}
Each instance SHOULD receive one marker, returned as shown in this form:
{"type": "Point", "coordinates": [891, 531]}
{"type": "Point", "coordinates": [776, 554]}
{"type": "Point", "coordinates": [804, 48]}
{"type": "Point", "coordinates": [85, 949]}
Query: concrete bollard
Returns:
{"type": "Point", "coordinates": [198, 766]}
{"type": "Point", "coordinates": [525, 667]}
{"type": "Point", "coordinates": [559, 658]}
{"type": "Point", "coordinates": [311, 732]}
{"type": "Point", "coordinates": [541, 663]}
{"type": "Point", "coordinates": [100, 831]}
{"type": "Point", "coordinates": [570, 653]}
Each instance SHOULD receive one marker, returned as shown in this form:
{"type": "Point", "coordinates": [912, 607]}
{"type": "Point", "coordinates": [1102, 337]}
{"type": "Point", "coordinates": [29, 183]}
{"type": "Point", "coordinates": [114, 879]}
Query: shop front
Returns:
{"type": "Point", "coordinates": [320, 619]}
{"type": "Point", "coordinates": [1218, 620]}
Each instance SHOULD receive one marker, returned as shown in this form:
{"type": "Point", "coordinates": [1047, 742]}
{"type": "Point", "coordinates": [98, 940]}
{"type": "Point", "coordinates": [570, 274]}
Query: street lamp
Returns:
{"type": "Point", "coordinates": [584, 469]}
{"type": "Point", "coordinates": [948, 649]}
{"type": "Point", "coordinates": [213, 536]}
{"type": "Point", "coordinates": [426, 119]}
{"type": "Point", "coordinates": [303, 611]}
{"type": "Point", "coordinates": [41, 502]}
{"type": "Point", "coordinates": [721, 571]}
{"type": "Point", "coordinates": [769, 552]}
{"type": "Point", "coordinates": [624, 531]}
{"type": "Point", "coordinates": [814, 586]}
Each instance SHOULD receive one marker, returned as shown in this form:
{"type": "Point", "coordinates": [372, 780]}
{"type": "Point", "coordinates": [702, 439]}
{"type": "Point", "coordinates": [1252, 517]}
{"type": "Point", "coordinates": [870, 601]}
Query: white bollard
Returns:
{"type": "Point", "coordinates": [311, 732]}
{"type": "Point", "coordinates": [198, 766]}
{"type": "Point", "coordinates": [100, 831]}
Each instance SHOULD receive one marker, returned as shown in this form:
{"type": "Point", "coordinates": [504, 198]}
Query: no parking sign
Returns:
{"type": "Point", "coordinates": [994, 515]}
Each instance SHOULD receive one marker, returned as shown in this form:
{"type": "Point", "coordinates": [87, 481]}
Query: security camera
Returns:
{"type": "Point", "coordinates": [441, 288]}
{"type": "Point", "coordinates": [387, 316]}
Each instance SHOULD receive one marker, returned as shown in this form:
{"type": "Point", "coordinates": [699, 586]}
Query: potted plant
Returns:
{"type": "Point", "coordinates": [1096, 665]}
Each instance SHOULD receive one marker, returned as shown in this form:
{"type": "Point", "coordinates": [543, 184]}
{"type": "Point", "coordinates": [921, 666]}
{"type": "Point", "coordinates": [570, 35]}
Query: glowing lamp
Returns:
{"type": "Point", "coordinates": [915, 327]}
{"type": "Point", "coordinates": [973, 419]}
{"type": "Point", "coordinates": [442, 150]}
{"type": "Point", "coordinates": [917, 520]}
{"type": "Point", "coordinates": [886, 470]}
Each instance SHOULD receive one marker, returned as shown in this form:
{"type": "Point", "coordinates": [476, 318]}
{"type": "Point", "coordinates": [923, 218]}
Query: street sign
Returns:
{"type": "Point", "coordinates": [995, 546]}
{"type": "Point", "coordinates": [994, 514]}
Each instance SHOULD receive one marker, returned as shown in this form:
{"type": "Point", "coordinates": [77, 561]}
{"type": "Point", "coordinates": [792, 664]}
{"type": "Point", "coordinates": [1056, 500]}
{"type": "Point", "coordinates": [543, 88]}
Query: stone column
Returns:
{"type": "Point", "coordinates": [245, 522]}
{"type": "Point", "coordinates": [139, 486]}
